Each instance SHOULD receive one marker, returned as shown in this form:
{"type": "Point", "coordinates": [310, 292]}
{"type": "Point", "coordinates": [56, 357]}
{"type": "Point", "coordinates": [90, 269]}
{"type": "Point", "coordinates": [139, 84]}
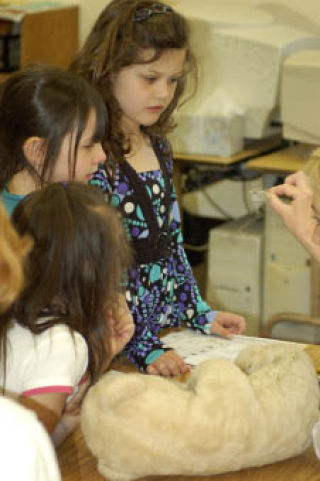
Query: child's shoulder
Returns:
{"type": "Point", "coordinates": [59, 336]}
{"type": "Point", "coordinates": [57, 357]}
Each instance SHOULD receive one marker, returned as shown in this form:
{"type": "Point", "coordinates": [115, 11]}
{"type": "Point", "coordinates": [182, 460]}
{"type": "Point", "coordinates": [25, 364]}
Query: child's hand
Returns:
{"type": "Point", "coordinates": [121, 326]}
{"type": "Point", "coordinates": [226, 324]}
{"type": "Point", "coordinates": [123, 331]}
{"type": "Point", "coordinates": [169, 364]}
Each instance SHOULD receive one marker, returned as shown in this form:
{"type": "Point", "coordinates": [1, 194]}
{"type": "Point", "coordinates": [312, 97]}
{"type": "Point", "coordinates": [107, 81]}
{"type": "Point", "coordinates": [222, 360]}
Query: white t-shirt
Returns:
{"type": "Point", "coordinates": [26, 451]}
{"type": "Point", "coordinates": [53, 361]}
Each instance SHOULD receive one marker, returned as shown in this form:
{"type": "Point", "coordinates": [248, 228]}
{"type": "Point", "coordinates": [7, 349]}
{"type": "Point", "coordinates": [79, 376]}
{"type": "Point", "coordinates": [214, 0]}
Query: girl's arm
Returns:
{"type": "Point", "coordinates": [145, 347]}
{"type": "Point", "coordinates": [147, 352]}
{"type": "Point", "coordinates": [205, 319]}
{"type": "Point", "coordinates": [168, 364]}
{"type": "Point", "coordinates": [70, 418]}
{"type": "Point", "coordinates": [52, 371]}
{"type": "Point", "coordinates": [59, 419]}
{"type": "Point", "coordinates": [227, 323]}
{"type": "Point", "coordinates": [47, 406]}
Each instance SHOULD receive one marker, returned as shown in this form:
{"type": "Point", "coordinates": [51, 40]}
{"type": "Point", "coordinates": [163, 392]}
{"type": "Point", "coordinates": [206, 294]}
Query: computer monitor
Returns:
{"type": "Point", "coordinates": [300, 97]}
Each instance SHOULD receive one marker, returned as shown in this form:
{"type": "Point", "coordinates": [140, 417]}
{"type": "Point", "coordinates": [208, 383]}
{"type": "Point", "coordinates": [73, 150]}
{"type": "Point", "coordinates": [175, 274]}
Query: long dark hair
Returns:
{"type": "Point", "coordinates": [116, 41]}
{"type": "Point", "coordinates": [49, 103]}
{"type": "Point", "coordinates": [75, 267]}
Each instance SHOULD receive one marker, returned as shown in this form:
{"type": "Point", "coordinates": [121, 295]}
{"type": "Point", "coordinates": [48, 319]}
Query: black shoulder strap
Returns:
{"type": "Point", "coordinates": [142, 196]}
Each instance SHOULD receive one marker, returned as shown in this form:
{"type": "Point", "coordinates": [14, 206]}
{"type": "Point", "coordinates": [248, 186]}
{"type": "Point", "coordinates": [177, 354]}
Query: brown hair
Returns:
{"type": "Point", "coordinates": [13, 250]}
{"type": "Point", "coordinates": [46, 102]}
{"type": "Point", "coordinates": [116, 41]}
{"type": "Point", "coordinates": [75, 267]}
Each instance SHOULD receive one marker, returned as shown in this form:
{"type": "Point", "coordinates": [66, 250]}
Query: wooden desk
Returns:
{"type": "Point", "coordinates": [254, 149]}
{"type": "Point", "coordinates": [77, 463]}
{"type": "Point", "coordinates": [286, 160]}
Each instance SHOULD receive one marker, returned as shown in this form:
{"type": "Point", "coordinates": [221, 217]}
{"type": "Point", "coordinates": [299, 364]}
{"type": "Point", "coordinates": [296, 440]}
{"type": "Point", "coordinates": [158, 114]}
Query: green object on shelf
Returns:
{"type": "Point", "coordinates": [33, 6]}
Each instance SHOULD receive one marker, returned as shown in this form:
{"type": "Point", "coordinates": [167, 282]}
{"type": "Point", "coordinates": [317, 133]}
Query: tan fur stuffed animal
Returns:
{"type": "Point", "coordinates": [227, 417]}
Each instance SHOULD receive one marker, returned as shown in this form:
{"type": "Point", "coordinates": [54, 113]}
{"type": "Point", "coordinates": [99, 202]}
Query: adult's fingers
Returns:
{"type": "Point", "coordinates": [298, 179]}
{"type": "Point", "coordinates": [287, 190]}
{"type": "Point", "coordinates": [277, 204]}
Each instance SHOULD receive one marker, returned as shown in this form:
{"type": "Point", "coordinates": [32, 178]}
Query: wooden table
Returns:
{"type": "Point", "coordinates": [252, 150]}
{"type": "Point", "coordinates": [77, 463]}
{"type": "Point", "coordinates": [286, 160]}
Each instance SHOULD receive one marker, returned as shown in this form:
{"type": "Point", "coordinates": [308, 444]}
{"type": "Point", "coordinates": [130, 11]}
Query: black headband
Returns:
{"type": "Point", "coordinates": [143, 13]}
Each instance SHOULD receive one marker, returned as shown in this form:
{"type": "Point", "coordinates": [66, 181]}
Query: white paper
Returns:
{"type": "Point", "coordinates": [195, 347]}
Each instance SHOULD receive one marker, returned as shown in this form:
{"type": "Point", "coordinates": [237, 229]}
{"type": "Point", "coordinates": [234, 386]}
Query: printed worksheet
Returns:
{"type": "Point", "coordinates": [195, 347]}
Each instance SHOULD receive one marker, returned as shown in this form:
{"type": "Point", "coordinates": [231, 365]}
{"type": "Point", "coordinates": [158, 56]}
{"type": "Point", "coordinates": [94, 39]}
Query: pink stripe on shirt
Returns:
{"type": "Point", "coordinates": [46, 389]}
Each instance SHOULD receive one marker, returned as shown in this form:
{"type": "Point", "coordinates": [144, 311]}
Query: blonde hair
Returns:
{"type": "Point", "coordinates": [13, 250]}
{"type": "Point", "coordinates": [312, 170]}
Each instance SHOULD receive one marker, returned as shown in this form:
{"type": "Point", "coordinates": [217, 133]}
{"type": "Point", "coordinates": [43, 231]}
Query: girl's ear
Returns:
{"type": "Point", "coordinates": [34, 151]}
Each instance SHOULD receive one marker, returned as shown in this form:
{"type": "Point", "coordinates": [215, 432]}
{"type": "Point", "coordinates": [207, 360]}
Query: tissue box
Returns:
{"type": "Point", "coordinates": [221, 136]}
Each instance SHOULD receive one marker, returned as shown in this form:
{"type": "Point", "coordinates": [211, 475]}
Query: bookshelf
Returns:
{"type": "Point", "coordinates": [49, 36]}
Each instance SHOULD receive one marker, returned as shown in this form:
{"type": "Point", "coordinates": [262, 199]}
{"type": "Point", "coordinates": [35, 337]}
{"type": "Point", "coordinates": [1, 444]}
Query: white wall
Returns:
{"type": "Point", "coordinates": [308, 8]}
{"type": "Point", "coordinates": [89, 11]}
{"type": "Point", "coordinates": [304, 13]}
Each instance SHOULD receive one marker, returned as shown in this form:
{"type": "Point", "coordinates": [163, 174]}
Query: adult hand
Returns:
{"type": "Point", "coordinates": [168, 364]}
{"type": "Point", "coordinates": [226, 324]}
{"type": "Point", "coordinates": [299, 216]}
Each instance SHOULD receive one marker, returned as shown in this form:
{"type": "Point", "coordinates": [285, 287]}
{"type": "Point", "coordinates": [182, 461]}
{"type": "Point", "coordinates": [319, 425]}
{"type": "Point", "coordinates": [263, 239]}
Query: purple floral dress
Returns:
{"type": "Point", "coordinates": [161, 290]}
